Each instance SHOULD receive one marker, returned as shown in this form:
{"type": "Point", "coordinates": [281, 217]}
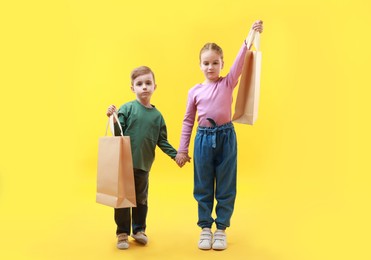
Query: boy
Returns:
{"type": "Point", "coordinates": [146, 127]}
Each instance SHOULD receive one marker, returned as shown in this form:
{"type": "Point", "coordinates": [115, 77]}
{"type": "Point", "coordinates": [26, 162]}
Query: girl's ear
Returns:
{"type": "Point", "coordinates": [132, 88]}
{"type": "Point", "coordinates": [155, 87]}
{"type": "Point", "coordinates": [222, 64]}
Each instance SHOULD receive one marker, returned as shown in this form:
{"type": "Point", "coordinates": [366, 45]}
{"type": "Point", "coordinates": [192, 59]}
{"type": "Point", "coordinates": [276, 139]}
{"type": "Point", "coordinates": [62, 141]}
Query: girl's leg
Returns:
{"type": "Point", "coordinates": [204, 178]}
{"type": "Point", "coordinates": [226, 172]}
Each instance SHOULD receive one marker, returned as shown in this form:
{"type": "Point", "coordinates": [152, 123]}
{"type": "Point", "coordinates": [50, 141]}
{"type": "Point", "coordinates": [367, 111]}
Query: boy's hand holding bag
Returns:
{"type": "Point", "coordinates": [246, 107]}
{"type": "Point", "coordinates": [115, 177]}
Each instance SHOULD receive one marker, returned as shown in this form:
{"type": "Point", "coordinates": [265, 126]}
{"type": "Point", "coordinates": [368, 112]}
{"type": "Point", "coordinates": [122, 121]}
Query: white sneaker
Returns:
{"type": "Point", "coordinates": [122, 241]}
{"type": "Point", "coordinates": [220, 240]}
{"type": "Point", "coordinates": [205, 239]}
{"type": "Point", "coordinates": [140, 237]}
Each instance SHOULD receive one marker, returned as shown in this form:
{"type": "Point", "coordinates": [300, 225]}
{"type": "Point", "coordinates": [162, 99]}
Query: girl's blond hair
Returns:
{"type": "Point", "coordinates": [212, 46]}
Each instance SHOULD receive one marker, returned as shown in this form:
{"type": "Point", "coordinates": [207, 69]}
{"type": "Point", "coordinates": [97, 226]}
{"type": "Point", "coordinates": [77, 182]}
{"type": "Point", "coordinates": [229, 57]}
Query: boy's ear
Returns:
{"type": "Point", "coordinates": [132, 88]}
{"type": "Point", "coordinates": [155, 87]}
{"type": "Point", "coordinates": [222, 64]}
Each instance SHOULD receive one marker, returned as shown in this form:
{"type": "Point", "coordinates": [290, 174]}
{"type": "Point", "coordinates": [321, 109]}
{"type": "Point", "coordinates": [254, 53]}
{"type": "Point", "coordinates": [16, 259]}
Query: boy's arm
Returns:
{"type": "Point", "coordinates": [117, 129]}
{"type": "Point", "coordinates": [164, 144]}
{"type": "Point", "coordinates": [121, 114]}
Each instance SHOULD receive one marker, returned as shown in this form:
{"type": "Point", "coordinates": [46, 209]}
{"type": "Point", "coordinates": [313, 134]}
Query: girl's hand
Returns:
{"type": "Point", "coordinates": [182, 158]}
{"type": "Point", "coordinates": [111, 109]}
{"type": "Point", "coordinates": [258, 26]}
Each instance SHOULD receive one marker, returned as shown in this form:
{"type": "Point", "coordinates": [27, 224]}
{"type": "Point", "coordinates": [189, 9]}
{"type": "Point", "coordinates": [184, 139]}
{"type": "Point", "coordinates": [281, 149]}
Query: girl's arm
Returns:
{"type": "Point", "coordinates": [236, 69]}
{"type": "Point", "coordinates": [188, 122]}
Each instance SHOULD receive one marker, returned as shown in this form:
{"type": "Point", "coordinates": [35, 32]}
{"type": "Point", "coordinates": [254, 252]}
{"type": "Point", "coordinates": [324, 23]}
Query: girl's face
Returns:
{"type": "Point", "coordinates": [211, 65]}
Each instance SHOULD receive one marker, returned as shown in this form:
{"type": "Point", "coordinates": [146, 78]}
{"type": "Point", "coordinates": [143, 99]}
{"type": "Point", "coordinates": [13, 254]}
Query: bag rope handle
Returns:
{"type": "Point", "coordinates": [253, 38]}
{"type": "Point", "coordinates": [112, 124]}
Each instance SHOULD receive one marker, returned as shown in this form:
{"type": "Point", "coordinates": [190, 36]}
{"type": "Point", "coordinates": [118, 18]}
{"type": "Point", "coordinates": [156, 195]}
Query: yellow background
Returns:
{"type": "Point", "coordinates": [304, 168]}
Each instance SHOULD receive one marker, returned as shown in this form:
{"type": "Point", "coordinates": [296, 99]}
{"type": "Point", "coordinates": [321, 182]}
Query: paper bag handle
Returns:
{"type": "Point", "coordinates": [112, 124]}
{"type": "Point", "coordinates": [253, 38]}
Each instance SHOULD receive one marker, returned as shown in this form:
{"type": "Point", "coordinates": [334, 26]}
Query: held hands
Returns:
{"type": "Point", "coordinates": [182, 158]}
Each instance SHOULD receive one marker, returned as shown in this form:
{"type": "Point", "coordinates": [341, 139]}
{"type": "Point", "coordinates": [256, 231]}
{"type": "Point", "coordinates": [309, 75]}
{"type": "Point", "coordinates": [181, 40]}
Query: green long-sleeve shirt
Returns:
{"type": "Point", "coordinates": [146, 128]}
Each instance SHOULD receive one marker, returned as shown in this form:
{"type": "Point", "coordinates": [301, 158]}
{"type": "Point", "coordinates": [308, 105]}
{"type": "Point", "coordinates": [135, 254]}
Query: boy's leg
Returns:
{"type": "Point", "coordinates": [141, 192]}
{"type": "Point", "coordinates": [204, 178]}
{"type": "Point", "coordinates": [123, 220]}
{"type": "Point", "coordinates": [226, 173]}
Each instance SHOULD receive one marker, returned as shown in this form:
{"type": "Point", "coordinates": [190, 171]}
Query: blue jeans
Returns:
{"type": "Point", "coordinates": [215, 173]}
{"type": "Point", "coordinates": [139, 213]}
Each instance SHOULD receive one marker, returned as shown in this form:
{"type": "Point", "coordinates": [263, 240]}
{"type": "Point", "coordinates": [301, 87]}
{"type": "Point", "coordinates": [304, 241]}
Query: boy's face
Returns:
{"type": "Point", "coordinates": [211, 65]}
{"type": "Point", "coordinates": [144, 86]}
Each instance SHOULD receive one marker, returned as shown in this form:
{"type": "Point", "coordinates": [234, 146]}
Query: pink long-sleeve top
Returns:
{"type": "Point", "coordinates": [212, 100]}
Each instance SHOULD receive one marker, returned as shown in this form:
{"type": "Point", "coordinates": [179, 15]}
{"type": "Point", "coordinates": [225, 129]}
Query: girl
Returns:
{"type": "Point", "coordinates": [215, 145]}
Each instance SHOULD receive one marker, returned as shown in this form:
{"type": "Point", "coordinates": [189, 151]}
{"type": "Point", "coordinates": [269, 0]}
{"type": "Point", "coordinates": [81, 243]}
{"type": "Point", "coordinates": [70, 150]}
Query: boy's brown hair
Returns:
{"type": "Point", "coordinates": [142, 70]}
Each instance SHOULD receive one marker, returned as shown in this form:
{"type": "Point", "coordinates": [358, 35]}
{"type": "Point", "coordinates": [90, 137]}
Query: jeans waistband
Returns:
{"type": "Point", "coordinates": [212, 131]}
{"type": "Point", "coordinates": [214, 127]}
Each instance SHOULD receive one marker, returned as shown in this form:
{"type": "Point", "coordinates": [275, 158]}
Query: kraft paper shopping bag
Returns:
{"type": "Point", "coordinates": [246, 107]}
{"type": "Point", "coordinates": [115, 177]}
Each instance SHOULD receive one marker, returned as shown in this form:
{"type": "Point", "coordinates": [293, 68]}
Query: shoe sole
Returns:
{"type": "Point", "coordinates": [142, 241]}
{"type": "Point", "coordinates": [219, 249]}
{"type": "Point", "coordinates": [122, 247]}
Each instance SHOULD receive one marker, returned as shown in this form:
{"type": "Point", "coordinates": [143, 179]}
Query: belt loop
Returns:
{"type": "Point", "coordinates": [213, 131]}
{"type": "Point", "coordinates": [213, 138]}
